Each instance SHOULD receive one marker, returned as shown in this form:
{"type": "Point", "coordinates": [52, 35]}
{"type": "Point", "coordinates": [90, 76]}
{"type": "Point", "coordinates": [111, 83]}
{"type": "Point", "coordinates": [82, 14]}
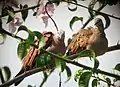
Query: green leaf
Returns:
{"type": "Point", "coordinates": [4, 12]}
{"type": "Point", "coordinates": [69, 40]}
{"type": "Point", "coordinates": [6, 73]}
{"type": "Point", "coordinates": [117, 67]}
{"type": "Point", "coordinates": [74, 19]}
{"type": "Point", "coordinates": [69, 73]}
{"type": "Point", "coordinates": [94, 83]}
{"type": "Point", "coordinates": [3, 36]}
{"type": "Point", "coordinates": [87, 53]}
{"type": "Point", "coordinates": [108, 82]}
{"type": "Point", "coordinates": [24, 12]}
{"type": "Point", "coordinates": [29, 86]}
{"type": "Point", "coordinates": [41, 38]}
{"type": "Point", "coordinates": [44, 60]}
{"type": "Point", "coordinates": [11, 14]}
{"type": "Point", "coordinates": [75, 8]}
{"type": "Point", "coordinates": [9, 19]}
{"type": "Point", "coordinates": [22, 27]}
{"type": "Point", "coordinates": [84, 79]}
{"type": "Point", "coordinates": [46, 75]}
{"type": "Point", "coordinates": [96, 64]}
{"type": "Point", "coordinates": [22, 49]}
{"type": "Point", "coordinates": [78, 74]}
{"type": "Point", "coordinates": [31, 35]}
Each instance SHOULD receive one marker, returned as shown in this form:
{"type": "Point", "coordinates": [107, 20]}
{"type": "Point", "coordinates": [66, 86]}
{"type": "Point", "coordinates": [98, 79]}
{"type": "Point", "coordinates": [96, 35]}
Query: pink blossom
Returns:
{"type": "Point", "coordinates": [42, 15]}
{"type": "Point", "coordinates": [14, 23]}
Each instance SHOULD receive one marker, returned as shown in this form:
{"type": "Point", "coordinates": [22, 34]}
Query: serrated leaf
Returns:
{"type": "Point", "coordinates": [24, 12]}
{"type": "Point", "coordinates": [78, 74]}
{"type": "Point", "coordinates": [84, 79]}
{"type": "Point", "coordinates": [75, 8]}
{"type": "Point", "coordinates": [87, 53]}
{"type": "Point", "coordinates": [74, 19]}
{"type": "Point", "coordinates": [22, 49]}
{"type": "Point", "coordinates": [41, 38]}
{"type": "Point", "coordinates": [117, 67]}
{"type": "Point", "coordinates": [108, 82]}
{"type": "Point", "coordinates": [6, 73]}
{"type": "Point", "coordinates": [69, 73]}
{"type": "Point", "coordinates": [94, 83]}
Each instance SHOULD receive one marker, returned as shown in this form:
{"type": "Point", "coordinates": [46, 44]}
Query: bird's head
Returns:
{"type": "Point", "coordinates": [99, 23]}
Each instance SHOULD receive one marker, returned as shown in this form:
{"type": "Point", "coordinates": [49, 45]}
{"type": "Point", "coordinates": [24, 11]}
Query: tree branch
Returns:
{"type": "Point", "coordinates": [113, 48]}
{"type": "Point", "coordinates": [93, 10]}
{"type": "Point", "coordinates": [36, 70]}
{"type": "Point", "coordinates": [16, 37]}
{"type": "Point", "coordinates": [32, 7]}
{"type": "Point", "coordinates": [27, 73]}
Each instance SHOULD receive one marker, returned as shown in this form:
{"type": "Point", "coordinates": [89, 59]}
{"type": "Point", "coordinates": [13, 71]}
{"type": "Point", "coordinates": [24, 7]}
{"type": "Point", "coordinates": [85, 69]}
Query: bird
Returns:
{"type": "Point", "coordinates": [92, 38]}
{"type": "Point", "coordinates": [54, 42]}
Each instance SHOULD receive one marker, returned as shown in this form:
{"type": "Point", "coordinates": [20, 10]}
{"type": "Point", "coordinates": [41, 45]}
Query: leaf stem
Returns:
{"type": "Point", "coordinates": [83, 66]}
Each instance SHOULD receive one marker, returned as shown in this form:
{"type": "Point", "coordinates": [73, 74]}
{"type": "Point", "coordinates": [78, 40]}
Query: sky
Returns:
{"type": "Point", "coordinates": [62, 16]}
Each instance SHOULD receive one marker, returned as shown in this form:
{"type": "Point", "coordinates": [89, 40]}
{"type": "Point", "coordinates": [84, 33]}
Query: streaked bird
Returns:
{"type": "Point", "coordinates": [54, 42]}
{"type": "Point", "coordinates": [93, 38]}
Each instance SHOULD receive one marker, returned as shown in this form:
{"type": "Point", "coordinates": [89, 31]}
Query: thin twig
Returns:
{"type": "Point", "coordinates": [81, 65]}
{"type": "Point", "coordinates": [16, 37]}
{"type": "Point", "coordinates": [32, 7]}
{"type": "Point", "coordinates": [60, 79]}
{"type": "Point", "coordinates": [27, 73]}
{"type": "Point", "coordinates": [33, 71]}
{"type": "Point", "coordinates": [114, 48]}
{"type": "Point", "coordinates": [93, 10]}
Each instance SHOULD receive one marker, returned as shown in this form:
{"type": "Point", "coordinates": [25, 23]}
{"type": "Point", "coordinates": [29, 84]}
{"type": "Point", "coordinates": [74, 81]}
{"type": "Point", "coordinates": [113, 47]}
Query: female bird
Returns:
{"type": "Point", "coordinates": [93, 38]}
{"type": "Point", "coordinates": [54, 42]}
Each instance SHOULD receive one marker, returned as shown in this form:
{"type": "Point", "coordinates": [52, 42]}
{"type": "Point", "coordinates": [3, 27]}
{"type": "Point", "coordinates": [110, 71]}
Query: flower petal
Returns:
{"type": "Point", "coordinates": [17, 21]}
{"type": "Point", "coordinates": [12, 27]}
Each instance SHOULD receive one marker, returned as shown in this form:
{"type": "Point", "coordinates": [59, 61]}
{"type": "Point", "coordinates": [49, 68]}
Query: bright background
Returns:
{"type": "Point", "coordinates": [62, 16]}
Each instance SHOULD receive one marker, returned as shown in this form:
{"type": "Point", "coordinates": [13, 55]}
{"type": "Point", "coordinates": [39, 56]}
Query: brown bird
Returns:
{"type": "Point", "coordinates": [93, 38]}
{"type": "Point", "coordinates": [53, 43]}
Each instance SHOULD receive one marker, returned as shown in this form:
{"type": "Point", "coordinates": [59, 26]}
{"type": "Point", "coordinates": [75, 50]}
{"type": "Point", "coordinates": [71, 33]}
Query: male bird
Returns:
{"type": "Point", "coordinates": [54, 42]}
{"type": "Point", "coordinates": [93, 38]}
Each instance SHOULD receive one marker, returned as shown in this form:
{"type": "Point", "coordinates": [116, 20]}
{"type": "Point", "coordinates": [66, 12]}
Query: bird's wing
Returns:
{"type": "Point", "coordinates": [29, 60]}
{"type": "Point", "coordinates": [79, 41]}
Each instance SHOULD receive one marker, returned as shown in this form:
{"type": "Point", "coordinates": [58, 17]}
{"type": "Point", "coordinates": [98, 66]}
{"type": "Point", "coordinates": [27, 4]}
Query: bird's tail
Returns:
{"type": "Point", "coordinates": [17, 82]}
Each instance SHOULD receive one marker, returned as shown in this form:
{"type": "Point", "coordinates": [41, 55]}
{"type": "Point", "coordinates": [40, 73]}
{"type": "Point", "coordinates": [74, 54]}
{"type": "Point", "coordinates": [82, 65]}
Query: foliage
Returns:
{"type": "Point", "coordinates": [82, 76]}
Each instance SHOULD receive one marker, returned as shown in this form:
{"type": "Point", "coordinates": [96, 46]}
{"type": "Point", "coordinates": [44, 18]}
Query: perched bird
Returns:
{"type": "Point", "coordinates": [93, 38]}
{"type": "Point", "coordinates": [54, 42]}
